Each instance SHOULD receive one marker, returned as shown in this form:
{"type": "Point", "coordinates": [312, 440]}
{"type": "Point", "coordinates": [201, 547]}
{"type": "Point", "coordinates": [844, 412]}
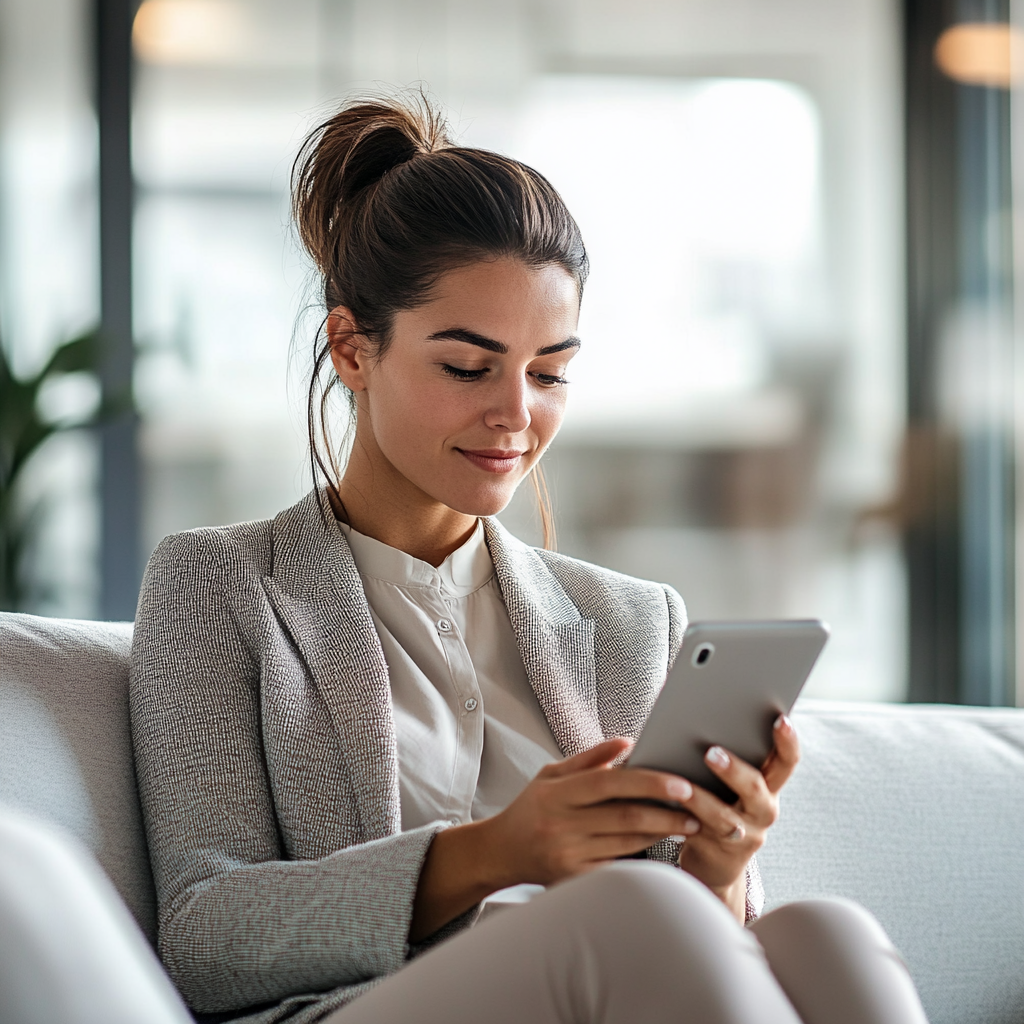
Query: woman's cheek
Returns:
{"type": "Point", "coordinates": [547, 418]}
{"type": "Point", "coordinates": [417, 413]}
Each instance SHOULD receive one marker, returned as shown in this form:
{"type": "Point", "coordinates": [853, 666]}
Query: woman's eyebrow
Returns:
{"type": "Point", "coordinates": [472, 338]}
{"type": "Point", "coordinates": [570, 342]}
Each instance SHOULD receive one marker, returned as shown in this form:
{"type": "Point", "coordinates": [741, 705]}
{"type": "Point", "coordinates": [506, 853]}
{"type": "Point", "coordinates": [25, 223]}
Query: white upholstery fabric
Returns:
{"type": "Point", "coordinates": [917, 812]}
{"type": "Point", "coordinates": [70, 952]}
{"type": "Point", "coordinates": [65, 744]}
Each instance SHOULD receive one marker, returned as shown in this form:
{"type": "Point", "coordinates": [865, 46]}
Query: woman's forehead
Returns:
{"type": "Point", "coordinates": [498, 297]}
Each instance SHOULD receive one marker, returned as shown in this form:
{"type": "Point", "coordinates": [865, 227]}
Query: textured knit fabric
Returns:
{"type": "Point", "coordinates": [266, 752]}
{"type": "Point", "coordinates": [470, 732]}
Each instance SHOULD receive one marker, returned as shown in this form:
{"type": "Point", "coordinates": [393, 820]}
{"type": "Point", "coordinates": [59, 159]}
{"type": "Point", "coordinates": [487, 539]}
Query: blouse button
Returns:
{"type": "Point", "coordinates": [444, 626]}
{"type": "Point", "coordinates": [470, 704]}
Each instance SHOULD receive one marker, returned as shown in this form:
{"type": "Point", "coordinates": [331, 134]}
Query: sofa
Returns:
{"type": "Point", "coordinates": [916, 811]}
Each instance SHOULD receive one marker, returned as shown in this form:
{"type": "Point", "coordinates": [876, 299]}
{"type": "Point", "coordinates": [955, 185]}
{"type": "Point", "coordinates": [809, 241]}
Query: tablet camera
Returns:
{"type": "Point", "coordinates": [703, 654]}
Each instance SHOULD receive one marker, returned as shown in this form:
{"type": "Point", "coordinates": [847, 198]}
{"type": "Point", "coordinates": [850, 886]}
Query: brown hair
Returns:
{"type": "Point", "coordinates": [385, 204]}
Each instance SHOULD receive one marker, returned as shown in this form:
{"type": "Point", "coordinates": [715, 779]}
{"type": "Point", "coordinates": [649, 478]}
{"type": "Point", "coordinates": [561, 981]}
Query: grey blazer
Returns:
{"type": "Point", "coordinates": [266, 755]}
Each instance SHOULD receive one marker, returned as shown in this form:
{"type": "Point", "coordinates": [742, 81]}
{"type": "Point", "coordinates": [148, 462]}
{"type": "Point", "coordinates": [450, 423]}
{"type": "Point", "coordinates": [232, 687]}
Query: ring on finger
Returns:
{"type": "Point", "coordinates": [736, 834]}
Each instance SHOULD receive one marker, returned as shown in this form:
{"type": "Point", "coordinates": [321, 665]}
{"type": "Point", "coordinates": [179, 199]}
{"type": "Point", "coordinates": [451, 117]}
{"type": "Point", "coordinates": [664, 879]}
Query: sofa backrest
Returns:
{"type": "Point", "coordinates": [917, 812]}
{"type": "Point", "coordinates": [65, 742]}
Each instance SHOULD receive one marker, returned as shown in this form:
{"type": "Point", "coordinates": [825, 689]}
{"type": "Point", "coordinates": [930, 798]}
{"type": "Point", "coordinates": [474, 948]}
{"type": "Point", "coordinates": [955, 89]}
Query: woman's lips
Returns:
{"type": "Point", "coordinates": [493, 460]}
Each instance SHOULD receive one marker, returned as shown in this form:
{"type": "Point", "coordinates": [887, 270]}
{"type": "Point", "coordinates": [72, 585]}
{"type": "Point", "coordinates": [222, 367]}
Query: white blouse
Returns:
{"type": "Point", "coordinates": [469, 729]}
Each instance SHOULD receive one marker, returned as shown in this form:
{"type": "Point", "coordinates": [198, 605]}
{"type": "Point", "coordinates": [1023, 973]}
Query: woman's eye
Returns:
{"type": "Point", "coordinates": [459, 374]}
{"type": "Point", "coordinates": [549, 379]}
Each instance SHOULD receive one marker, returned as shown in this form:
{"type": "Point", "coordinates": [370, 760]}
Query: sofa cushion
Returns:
{"type": "Point", "coordinates": [65, 742]}
{"type": "Point", "coordinates": [917, 812]}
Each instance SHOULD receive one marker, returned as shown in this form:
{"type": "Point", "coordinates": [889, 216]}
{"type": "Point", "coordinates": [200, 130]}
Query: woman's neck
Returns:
{"type": "Point", "coordinates": [381, 503]}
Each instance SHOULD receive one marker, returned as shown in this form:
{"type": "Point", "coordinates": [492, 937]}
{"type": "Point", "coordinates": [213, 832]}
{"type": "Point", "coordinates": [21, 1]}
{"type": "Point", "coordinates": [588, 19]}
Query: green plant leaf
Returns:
{"type": "Point", "coordinates": [23, 431]}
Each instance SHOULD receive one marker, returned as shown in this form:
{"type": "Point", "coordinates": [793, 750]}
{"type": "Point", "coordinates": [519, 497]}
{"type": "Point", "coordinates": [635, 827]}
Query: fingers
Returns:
{"type": "Point", "coordinates": [618, 811]}
{"type": "Point", "coordinates": [600, 756]}
{"type": "Point", "coordinates": [757, 808]}
{"type": "Point", "coordinates": [586, 778]}
{"type": "Point", "coordinates": [601, 849]}
{"type": "Point", "coordinates": [585, 789]}
{"type": "Point", "coordinates": [785, 756]}
{"type": "Point", "coordinates": [617, 830]}
{"type": "Point", "coordinates": [717, 818]}
{"type": "Point", "coordinates": [630, 818]}
{"type": "Point", "coordinates": [757, 790]}
{"type": "Point", "coordinates": [745, 781]}
{"type": "Point", "coordinates": [585, 854]}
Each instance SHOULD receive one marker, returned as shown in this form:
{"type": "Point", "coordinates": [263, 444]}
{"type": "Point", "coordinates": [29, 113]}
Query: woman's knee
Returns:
{"type": "Point", "coordinates": [653, 904]}
{"type": "Point", "coordinates": [652, 935]}
{"type": "Point", "coordinates": [658, 888]}
{"type": "Point", "coordinates": [832, 922]}
{"type": "Point", "coordinates": [836, 963]}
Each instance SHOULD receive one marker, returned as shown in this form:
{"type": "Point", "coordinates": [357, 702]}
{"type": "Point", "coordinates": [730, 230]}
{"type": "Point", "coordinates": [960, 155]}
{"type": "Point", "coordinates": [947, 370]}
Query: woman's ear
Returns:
{"type": "Point", "coordinates": [348, 353]}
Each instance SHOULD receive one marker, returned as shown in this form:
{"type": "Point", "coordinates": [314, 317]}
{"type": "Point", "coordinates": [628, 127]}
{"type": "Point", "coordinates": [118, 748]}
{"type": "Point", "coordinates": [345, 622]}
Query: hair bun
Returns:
{"type": "Point", "coordinates": [350, 152]}
{"type": "Point", "coordinates": [379, 142]}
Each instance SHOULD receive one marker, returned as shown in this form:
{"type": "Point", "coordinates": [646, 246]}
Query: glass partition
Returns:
{"type": "Point", "coordinates": [736, 413]}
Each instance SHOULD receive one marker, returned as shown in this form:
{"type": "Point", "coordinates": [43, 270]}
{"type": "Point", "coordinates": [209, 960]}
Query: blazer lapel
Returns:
{"type": "Point", "coordinates": [555, 641]}
{"type": "Point", "coordinates": [318, 596]}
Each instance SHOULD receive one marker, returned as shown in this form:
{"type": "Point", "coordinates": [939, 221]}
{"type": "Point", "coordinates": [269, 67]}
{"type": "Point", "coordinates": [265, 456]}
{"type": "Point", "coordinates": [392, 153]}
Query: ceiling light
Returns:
{"type": "Point", "coordinates": [988, 54]}
{"type": "Point", "coordinates": [188, 31]}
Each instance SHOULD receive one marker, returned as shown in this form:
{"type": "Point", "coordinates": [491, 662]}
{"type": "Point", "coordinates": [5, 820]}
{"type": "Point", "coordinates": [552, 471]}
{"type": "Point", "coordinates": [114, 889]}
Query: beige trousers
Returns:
{"type": "Point", "coordinates": [639, 943]}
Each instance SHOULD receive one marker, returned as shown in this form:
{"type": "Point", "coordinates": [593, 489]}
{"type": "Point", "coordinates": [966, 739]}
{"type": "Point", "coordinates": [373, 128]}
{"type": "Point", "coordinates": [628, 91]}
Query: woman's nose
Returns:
{"type": "Point", "coordinates": [509, 409]}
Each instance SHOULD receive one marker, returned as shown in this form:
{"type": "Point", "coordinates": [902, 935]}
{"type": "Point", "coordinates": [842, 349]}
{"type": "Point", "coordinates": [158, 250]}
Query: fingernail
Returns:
{"type": "Point", "coordinates": [689, 828]}
{"type": "Point", "coordinates": [718, 757]}
{"type": "Point", "coordinates": [783, 722]}
{"type": "Point", "coordinates": [679, 789]}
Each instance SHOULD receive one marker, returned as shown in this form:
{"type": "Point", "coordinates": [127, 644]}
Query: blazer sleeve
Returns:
{"type": "Point", "coordinates": [239, 924]}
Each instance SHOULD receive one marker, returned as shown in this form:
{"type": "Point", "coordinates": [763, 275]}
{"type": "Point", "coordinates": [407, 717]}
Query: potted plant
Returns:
{"type": "Point", "coordinates": [24, 428]}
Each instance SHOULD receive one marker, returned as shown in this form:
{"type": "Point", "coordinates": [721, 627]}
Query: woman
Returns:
{"type": "Point", "coordinates": [355, 722]}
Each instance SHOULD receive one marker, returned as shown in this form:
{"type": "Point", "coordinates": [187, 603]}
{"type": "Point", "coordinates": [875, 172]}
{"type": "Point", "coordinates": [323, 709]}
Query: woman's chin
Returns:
{"type": "Point", "coordinates": [480, 502]}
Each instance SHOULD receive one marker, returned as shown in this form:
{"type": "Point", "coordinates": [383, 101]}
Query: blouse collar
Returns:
{"type": "Point", "coordinates": [465, 570]}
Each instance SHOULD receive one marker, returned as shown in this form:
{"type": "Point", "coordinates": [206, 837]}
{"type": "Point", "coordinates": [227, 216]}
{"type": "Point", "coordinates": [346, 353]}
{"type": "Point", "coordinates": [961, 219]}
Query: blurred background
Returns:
{"type": "Point", "coordinates": [798, 391]}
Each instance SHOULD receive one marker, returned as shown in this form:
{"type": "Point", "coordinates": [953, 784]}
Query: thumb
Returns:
{"type": "Point", "coordinates": [596, 757]}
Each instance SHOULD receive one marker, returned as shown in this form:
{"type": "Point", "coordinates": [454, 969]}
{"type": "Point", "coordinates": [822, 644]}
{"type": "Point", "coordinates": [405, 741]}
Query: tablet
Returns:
{"type": "Point", "coordinates": [730, 681]}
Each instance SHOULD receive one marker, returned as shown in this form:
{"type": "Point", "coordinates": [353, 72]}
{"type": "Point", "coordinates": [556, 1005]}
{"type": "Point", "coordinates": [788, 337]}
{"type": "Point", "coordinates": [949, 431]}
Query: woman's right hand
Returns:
{"type": "Point", "coordinates": [582, 812]}
{"type": "Point", "coordinates": [573, 816]}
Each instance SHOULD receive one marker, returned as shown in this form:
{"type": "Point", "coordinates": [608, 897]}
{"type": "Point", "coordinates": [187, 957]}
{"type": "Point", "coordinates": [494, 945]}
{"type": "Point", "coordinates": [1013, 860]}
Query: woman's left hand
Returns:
{"type": "Point", "coordinates": [731, 834]}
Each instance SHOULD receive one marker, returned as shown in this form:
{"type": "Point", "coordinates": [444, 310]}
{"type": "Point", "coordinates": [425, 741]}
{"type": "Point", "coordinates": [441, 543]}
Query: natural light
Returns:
{"type": "Point", "coordinates": [699, 203]}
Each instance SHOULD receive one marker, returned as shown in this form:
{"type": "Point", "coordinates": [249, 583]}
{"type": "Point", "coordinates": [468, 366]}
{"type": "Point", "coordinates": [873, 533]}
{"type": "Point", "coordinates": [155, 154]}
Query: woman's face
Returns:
{"type": "Point", "coordinates": [472, 388]}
